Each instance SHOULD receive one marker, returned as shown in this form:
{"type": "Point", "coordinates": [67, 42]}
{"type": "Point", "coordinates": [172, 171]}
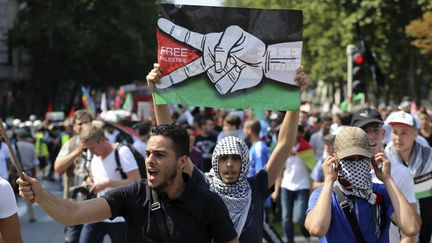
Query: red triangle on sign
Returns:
{"type": "Point", "coordinates": [173, 54]}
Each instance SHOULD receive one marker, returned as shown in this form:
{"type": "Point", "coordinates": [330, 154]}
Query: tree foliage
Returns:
{"type": "Point", "coordinates": [329, 26]}
{"type": "Point", "coordinates": [421, 29]}
{"type": "Point", "coordinates": [92, 42]}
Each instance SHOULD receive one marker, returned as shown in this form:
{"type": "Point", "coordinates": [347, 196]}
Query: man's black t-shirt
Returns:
{"type": "Point", "coordinates": [198, 215]}
{"type": "Point", "coordinates": [206, 145]}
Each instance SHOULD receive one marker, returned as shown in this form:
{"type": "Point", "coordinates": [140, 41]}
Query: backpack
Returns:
{"type": "Point", "coordinates": [138, 158]}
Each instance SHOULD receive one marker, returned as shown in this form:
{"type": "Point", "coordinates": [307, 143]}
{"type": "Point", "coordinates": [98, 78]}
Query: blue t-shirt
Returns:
{"type": "Point", "coordinates": [258, 157]}
{"type": "Point", "coordinates": [253, 228]}
{"type": "Point", "coordinates": [340, 228]}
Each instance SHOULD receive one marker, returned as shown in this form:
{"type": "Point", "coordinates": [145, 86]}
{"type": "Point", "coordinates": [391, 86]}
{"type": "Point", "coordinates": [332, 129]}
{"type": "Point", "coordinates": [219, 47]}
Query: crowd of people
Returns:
{"type": "Point", "coordinates": [230, 175]}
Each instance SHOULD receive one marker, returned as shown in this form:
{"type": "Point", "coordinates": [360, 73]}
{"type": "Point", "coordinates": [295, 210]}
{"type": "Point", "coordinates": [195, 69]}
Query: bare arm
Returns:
{"type": "Point", "coordinates": [404, 216]}
{"type": "Point", "coordinates": [410, 239]}
{"type": "Point", "coordinates": [10, 229]}
{"type": "Point", "coordinates": [318, 219]}
{"type": "Point", "coordinates": [61, 164]}
{"type": "Point", "coordinates": [64, 211]}
{"type": "Point", "coordinates": [162, 114]}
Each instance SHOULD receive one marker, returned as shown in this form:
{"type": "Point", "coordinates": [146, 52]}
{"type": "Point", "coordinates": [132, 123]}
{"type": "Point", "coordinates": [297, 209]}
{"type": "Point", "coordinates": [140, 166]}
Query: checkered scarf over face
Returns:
{"type": "Point", "coordinates": [354, 178]}
{"type": "Point", "coordinates": [236, 196]}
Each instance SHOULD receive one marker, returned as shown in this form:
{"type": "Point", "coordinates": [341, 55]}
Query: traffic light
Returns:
{"type": "Point", "coordinates": [358, 71]}
{"type": "Point", "coordinates": [368, 68]}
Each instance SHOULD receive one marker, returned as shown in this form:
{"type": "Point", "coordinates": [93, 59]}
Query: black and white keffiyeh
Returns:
{"type": "Point", "coordinates": [237, 196]}
{"type": "Point", "coordinates": [355, 179]}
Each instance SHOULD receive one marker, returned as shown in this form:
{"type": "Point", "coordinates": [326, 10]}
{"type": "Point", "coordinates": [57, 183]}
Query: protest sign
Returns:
{"type": "Point", "coordinates": [229, 57]}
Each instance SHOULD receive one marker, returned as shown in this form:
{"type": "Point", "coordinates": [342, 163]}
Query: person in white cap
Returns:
{"type": "Point", "coordinates": [406, 150]}
{"type": "Point", "coordinates": [348, 191]}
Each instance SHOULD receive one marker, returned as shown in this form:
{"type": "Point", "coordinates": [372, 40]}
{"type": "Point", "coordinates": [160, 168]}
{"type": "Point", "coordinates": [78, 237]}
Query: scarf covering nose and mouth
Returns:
{"type": "Point", "coordinates": [237, 196]}
{"type": "Point", "coordinates": [354, 178]}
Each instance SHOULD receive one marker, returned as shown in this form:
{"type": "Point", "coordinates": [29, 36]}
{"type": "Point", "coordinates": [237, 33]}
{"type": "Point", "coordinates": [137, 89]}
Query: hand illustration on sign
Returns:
{"type": "Point", "coordinates": [234, 59]}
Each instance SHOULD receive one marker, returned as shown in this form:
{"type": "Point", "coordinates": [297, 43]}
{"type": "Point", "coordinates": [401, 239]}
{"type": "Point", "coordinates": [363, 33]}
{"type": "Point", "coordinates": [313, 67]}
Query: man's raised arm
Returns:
{"type": "Point", "coordinates": [161, 111]}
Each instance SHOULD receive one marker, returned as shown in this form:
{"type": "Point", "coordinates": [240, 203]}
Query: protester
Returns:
{"type": "Point", "coordinates": [206, 141]}
{"type": "Point", "coordinates": [371, 206]}
{"type": "Point", "coordinates": [141, 142]}
{"type": "Point", "coordinates": [26, 154]}
{"type": "Point", "coordinates": [195, 154]}
{"type": "Point", "coordinates": [10, 231]}
{"type": "Point", "coordinates": [106, 175]}
{"type": "Point", "coordinates": [426, 127]}
{"type": "Point", "coordinates": [189, 213]}
{"type": "Point", "coordinates": [370, 121]}
{"type": "Point", "coordinates": [406, 150]}
{"type": "Point", "coordinates": [295, 189]}
{"type": "Point", "coordinates": [316, 174]}
{"type": "Point", "coordinates": [71, 163]}
{"type": "Point", "coordinates": [317, 139]}
{"type": "Point", "coordinates": [258, 152]}
{"type": "Point", "coordinates": [231, 127]}
{"type": "Point", "coordinates": [244, 197]}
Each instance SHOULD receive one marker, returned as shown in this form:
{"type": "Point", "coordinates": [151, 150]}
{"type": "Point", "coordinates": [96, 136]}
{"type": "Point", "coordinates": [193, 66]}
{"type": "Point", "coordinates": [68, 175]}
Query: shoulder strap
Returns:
{"type": "Point", "coordinates": [117, 159]}
{"type": "Point", "coordinates": [344, 203]}
{"type": "Point", "coordinates": [157, 210]}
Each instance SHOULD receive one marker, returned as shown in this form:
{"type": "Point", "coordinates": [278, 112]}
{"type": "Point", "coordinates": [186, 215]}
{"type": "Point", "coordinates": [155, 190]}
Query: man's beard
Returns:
{"type": "Point", "coordinates": [167, 182]}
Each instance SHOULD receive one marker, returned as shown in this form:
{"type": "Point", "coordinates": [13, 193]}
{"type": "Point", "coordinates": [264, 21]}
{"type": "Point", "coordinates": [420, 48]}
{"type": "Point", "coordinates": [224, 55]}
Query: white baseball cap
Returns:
{"type": "Point", "coordinates": [402, 117]}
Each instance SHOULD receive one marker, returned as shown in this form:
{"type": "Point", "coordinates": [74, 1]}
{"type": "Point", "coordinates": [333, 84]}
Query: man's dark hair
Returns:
{"type": "Point", "coordinates": [187, 126]}
{"type": "Point", "coordinates": [144, 128]}
{"type": "Point", "coordinates": [254, 125]}
{"type": "Point", "coordinates": [233, 120]}
{"type": "Point", "coordinates": [346, 118]}
{"type": "Point", "coordinates": [326, 118]}
{"type": "Point", "coordinates": [203, 120]}
{"type": "Point", "coordinates": [178, 135]}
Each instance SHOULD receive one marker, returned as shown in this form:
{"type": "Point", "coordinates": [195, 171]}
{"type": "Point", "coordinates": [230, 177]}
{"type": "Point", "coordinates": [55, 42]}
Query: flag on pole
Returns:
{"type": "Point", "coordinates": [128, 103]}
{"type": "Point", "coordinates": [87, 100]}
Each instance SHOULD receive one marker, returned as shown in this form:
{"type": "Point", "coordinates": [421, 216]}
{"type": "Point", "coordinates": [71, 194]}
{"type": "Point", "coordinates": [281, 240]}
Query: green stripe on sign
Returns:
{"type": "Point", "coordinates": [423, 194]}
{"type": "Point", "coordinates": [268, 95]}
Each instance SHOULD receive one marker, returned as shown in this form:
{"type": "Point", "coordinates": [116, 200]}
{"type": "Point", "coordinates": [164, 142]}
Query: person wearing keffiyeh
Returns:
{"type": "Point", "coordinates": [373, 205]}
{"type": "Point", "coordinates": [244, 197]}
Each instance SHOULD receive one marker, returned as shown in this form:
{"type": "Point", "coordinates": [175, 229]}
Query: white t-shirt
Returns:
{"type": "Point", "coordinates": [106, 169]}
{"type": "Point", "coordinates": [405, 182]}
{"type": "Point", "coordinates": [4, 154]}
{"type": "Point", "coordinates": [8, 206]}
{"type": "Point", "coordinates": [295, 175]}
